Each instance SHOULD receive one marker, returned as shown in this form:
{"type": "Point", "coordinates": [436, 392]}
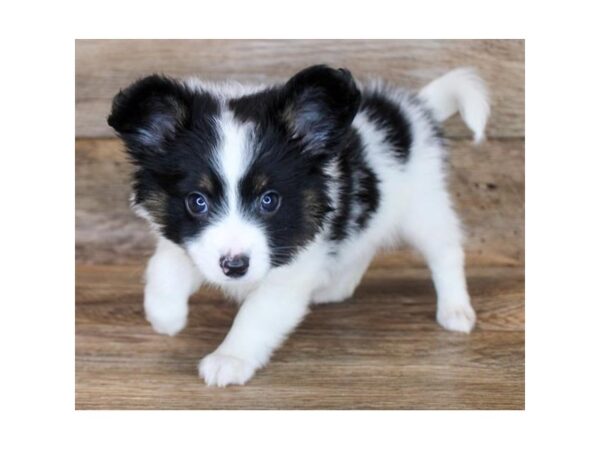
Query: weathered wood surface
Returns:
{"type": "Point", "coordinates": [105, 66]}
{"type": "Point", "coordinates": [487, 183]}
{"type": "Point", "coordinates": [381, 349]}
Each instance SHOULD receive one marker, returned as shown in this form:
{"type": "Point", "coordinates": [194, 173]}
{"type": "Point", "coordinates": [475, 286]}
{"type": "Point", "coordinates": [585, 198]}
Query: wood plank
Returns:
{"type": "Point", "coordinates": [381, 349]}
{"type": "Point", "coordinates": [105, 66]}
{"type": "Point", "coordinates": [487, 183]}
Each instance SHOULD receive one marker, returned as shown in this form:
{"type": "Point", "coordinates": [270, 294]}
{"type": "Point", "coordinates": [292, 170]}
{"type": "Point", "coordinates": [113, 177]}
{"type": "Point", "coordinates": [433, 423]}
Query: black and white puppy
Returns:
{"type": "Point", "coordinates": [281, 196]}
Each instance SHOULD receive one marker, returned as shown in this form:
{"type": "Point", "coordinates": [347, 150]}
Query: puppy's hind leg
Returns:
{"type": "Point", "coordinates": [433, 228]}
{"type": "Point", "coordinates": [345, 281]}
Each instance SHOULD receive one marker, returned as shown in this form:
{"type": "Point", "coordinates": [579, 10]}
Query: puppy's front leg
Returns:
{"type": "Point", "coordinates": [171, 278]}
{"type": "Point", "coordinates": [264, 320]}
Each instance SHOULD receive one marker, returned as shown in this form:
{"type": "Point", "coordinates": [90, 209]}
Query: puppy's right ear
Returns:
{"type": "Point", "coordinates": [319, 106]}
{"type": "Point", "coordinates": [149, 113]}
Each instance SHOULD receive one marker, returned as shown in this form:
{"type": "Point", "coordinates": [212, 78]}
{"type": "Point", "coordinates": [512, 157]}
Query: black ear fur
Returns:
{"type": "Point", "coordinates": [149, 112]}
{"type": "Point", "coordinates": [320, 104]}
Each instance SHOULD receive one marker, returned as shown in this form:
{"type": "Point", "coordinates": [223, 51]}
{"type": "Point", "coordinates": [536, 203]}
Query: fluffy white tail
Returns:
{"type": "Point", "coordinates": [460, 90]}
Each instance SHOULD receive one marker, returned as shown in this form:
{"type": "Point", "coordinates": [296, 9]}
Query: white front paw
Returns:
{"type": "Point", "coordinates": [167, 315]}
{"type": "Point", "coordinates": [456, 317]}
{"type": "Point", "coordinates": [220, 370]}
{"type": "Point", "coordinates": [169, 326]}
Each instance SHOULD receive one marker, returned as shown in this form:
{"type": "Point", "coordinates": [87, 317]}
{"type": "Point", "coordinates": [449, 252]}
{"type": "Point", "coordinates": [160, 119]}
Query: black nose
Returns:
{"type": "Point", "coordinates": [235, 266]}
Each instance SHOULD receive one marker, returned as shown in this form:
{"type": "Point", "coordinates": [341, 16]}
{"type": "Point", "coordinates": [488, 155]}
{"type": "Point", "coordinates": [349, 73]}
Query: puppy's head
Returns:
{"type": "Point", "coordinates": [238, 182]}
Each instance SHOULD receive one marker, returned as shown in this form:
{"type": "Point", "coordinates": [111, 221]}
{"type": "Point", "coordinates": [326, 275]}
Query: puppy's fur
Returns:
{"type": "Point", "coordinates": [281, 196]}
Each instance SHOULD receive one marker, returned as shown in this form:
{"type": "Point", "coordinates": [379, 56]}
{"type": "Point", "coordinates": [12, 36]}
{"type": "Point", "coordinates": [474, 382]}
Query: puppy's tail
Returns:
{"type": "Point", "coordinates": [460, 90]}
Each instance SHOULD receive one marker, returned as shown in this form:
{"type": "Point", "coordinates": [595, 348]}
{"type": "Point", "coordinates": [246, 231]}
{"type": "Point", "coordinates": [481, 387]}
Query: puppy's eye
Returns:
{"type": "Point", "coordinates": [269, 202]}
{"type": "Point", "coordinates": [197, 204]}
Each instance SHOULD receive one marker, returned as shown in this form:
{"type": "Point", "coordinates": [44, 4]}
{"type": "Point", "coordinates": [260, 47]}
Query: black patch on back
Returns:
{"type": "Point", "coordinates": [358, 191]}
{"type": "Point", "coordinates": [388, 116]}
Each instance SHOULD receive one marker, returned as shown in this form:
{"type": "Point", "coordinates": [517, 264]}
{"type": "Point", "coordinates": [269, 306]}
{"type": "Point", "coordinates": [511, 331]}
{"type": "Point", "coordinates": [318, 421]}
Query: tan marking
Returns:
{"type": "Point", "coordinates": [156, 205]}
{"type": "Point", "coordinates": [206, 184]}
{"type": "Point", "coordinates": [311, 205]}
{"type": "Point", "coordinates": [260, 182]}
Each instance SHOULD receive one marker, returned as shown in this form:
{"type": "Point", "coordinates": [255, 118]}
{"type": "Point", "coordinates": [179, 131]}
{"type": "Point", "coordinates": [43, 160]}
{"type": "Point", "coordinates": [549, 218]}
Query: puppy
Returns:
{"type": "Point", "coordinates": [281, 196]}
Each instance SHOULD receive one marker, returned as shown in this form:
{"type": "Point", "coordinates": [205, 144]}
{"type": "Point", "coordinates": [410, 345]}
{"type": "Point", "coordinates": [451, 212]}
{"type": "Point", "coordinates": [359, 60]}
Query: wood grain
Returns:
{"type": "Point", "coordinates": [487, 183]}
{"type": "Point", "coordinates": [105, 66]}
{"type": "Point", "coordinates": [379, 350]}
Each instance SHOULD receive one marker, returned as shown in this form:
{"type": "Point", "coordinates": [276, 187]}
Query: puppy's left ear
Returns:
{"type": "Point", "coordinates": [149, 113]}
{"type": "Point", "coordinates": [319, 106]}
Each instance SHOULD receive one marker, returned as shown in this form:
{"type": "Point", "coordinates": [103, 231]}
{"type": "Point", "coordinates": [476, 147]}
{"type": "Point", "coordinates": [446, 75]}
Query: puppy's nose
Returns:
{"type": "Point", "coordinates": [235, 266]}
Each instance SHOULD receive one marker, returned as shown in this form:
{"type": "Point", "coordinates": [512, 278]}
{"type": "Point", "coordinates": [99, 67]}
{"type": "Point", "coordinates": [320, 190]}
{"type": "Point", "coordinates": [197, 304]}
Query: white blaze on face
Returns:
{"type": "Point", "coordinates": [231, 234]}
{"type": "Point", "coordinates": [233, 156]}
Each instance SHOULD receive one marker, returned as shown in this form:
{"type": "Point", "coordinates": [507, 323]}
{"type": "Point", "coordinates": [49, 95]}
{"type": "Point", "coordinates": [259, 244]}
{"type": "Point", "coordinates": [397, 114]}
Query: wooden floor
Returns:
{"type": "Point", "coordinates": [381, 349]}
